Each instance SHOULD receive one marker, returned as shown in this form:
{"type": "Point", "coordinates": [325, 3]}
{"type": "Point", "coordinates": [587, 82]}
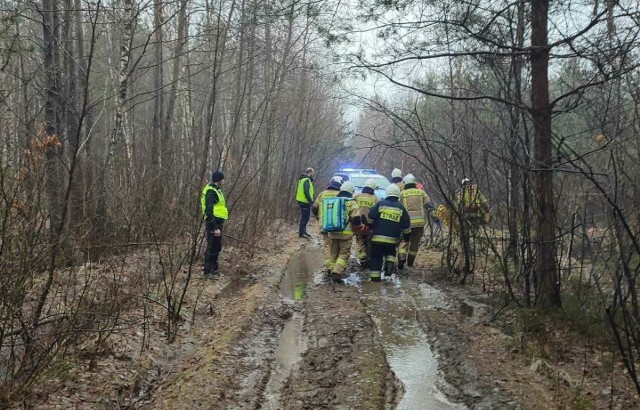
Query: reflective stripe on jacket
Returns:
{"type": "Point", "coordinates": [414, 201]}
{"type": "Point", "coordinates": [365, 202]}
{"type": "Point", "coordinates": [390, 221]}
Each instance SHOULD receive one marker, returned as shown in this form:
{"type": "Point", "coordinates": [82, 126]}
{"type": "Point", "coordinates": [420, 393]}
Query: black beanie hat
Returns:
{"type": "Point", "coordinates": [217, 176]}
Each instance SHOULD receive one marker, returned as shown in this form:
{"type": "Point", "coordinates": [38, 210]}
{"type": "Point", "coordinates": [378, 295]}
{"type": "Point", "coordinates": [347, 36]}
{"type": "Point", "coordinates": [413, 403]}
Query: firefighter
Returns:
{"type": "Point", "coordinates": [396, 178]}
{"type": "Point", "coordinates": [418, 205]}
{"type": "Point", "coordinates": [214, 209]}
{"type": "Point", "coordinates": [304, 196]}
{"type": "Point", "coordinates": [331, 191]}
{"type": "Point", "coordinates": [389, 221]}
{"type": "Point", "coordinates": [340, 242]}
{"type": "Point", "coordinates": [473, 206]}
{"type": "Point", "coordinates": [474, 210]}
{"type": "Point", "coordinates": [365, 199]}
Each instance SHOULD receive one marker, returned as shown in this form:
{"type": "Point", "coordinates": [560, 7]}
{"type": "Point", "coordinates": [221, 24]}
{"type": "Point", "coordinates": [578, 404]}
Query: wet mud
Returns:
{"type": "Point", "coordinates": [295, 340]}
{"type": "Point", "coordinates": [344, 365]}
{"type": "Point", "coordinates": [394, 307]}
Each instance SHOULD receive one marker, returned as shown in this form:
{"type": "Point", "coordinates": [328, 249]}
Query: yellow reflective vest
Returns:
{"type": "Point", "coordinates": [220, 210]}
{"type": "Point", "coordinates": [300, 196]}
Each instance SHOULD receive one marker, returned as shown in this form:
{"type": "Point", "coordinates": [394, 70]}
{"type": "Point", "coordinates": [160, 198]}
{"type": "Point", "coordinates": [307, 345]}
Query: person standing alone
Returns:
{"type": "Point", "coordinates": [214, 209]}
{"type": "Point", "coordinates": [304, 196]}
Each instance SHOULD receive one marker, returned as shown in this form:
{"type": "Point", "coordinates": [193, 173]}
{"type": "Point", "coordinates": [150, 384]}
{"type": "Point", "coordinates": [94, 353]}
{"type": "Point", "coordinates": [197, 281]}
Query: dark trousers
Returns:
{"type": "Point", "coordinates": [380, 253]}
{"type": "Point", "coordinates": [214, 247]}
{"type": "Point", "coordinates": [305, 213]}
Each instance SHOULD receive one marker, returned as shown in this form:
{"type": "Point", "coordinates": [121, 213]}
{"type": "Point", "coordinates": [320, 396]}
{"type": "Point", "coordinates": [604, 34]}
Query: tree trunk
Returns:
{"type": "Point", "coordinates": [547, 275]}
{"type": "Point", "coordinates": [119, 116]}
{"type": "Point", "coordinates": [515, 141]}
{"type": "Point", "coordinates": [51, 108]}
{"type": "Point", "coordinates": [157, 143]}
{"type": "Point", "coordinates": [167, 145]}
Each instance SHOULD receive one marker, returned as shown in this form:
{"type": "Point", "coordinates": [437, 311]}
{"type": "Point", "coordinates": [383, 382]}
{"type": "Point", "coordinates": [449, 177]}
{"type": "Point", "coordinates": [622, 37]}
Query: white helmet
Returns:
{"type": "Point", "coordinates": [409, 179]}
{"type": "Point", "coordinates": [393, 190]}
{"type": "Point", "coordinates": [371, 183]}
{"type": "Point", "coordinates": [396, 173]}
{"type": "Point", "coordinates": [347, 187]}
{"type": "Point", "coordinates": [336, 182]}
{"type": "Point", "coordinates": [466, 181]}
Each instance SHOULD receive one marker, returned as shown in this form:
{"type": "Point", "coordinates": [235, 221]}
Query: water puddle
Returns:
{"type": "Point", "coordinates": [392, 305]}
{"type": "Point", "coordinates": [302, 271]}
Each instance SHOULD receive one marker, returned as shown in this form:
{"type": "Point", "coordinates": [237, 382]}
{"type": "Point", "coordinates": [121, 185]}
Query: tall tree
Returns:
{"type": "Point", "coordinates": [547, 275]}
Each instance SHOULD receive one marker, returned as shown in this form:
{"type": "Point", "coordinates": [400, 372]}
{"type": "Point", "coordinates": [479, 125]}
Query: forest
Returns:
{"type": "Point", "coordinates": [114, 114]}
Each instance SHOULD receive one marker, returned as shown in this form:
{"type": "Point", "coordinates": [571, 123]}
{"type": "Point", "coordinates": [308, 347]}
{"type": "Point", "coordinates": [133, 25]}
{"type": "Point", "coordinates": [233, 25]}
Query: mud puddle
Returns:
{"type": "Point", "coordinates": [393, 306]}
{"type": "Point", "coordinates": [302, 271]}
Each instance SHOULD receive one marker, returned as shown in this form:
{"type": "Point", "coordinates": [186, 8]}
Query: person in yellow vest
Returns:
{"type": "Point", "coordinates": [305, 196]}
{"type": "Point", "coordinates": [418, 205]}
{"type": "Point", "coordinates": [396, 178]}
{"type": "Point", "coordinates": [365, 200]}
{"type": "Point", "coordinates": [474, 211]}
{"type": "Point", "coordinates": [340, 242]}
{"type": "Point", "coordinates": [214, 209]}
{"type": "Point", "coordinates": [331, 191]}
{"type": "Point", "coordinates": [472, 204]}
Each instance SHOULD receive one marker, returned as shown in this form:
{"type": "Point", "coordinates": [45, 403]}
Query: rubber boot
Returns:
{"type": "Point", "coordinates": [376, 279]}
{"type": "Point", "coordinates": [389, 269]}
{"type": "Point", "coordinates": [411, 260]}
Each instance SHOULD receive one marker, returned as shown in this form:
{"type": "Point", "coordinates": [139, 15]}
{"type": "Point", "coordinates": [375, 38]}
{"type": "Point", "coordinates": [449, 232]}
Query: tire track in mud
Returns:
{"type": "Point", "coordinates": [344, 365]}
{"type": "Point", "coordinates": [338, 362]}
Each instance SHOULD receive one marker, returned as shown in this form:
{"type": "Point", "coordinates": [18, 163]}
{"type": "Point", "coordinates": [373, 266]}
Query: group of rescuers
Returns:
{"type": "Point", "coordinates": [382, 228]}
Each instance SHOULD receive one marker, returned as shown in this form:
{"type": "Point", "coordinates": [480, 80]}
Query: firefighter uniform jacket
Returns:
{"type": "Point", "coordinates": [389, 221]}
{"type": "Point", "coordinates": [417, 204]}
{"type": "Point", "coordinates": [472, 203]}
{"type": "Point", "coordinates": [366, 200]}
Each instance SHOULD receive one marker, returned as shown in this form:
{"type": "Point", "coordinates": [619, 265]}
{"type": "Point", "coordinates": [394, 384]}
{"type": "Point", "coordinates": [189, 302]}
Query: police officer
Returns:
{"type": "Point", "coordinates": [304, 196]}
{"type": "Point", "coordinates": [214, 209]}
{"type": "Point", "coordinates": [365, 199]}
{"type": "Point", "coordinates": [389, 221]}
{"type": "Point", "coordinates": [417, 204]}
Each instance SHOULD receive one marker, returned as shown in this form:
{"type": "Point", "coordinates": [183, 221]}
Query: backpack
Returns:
{"type": "Point", "coordinates": [334, 214]}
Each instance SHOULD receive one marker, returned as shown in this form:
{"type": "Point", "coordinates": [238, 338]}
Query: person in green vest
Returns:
{"type": "Point", "coordinates": [304, 196]}
{"type": "Point", "coordinates": [214, 209]}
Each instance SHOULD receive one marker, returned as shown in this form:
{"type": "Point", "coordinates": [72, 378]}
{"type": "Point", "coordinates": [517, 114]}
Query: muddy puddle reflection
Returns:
{"type": "Point", "coordinates": [393, 305]}
{"type": "Point", "coordinates": [301, 272]}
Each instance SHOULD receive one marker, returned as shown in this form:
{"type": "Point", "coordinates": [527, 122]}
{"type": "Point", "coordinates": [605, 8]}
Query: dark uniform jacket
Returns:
{"type": "Point", "coordinates": [389, 221]}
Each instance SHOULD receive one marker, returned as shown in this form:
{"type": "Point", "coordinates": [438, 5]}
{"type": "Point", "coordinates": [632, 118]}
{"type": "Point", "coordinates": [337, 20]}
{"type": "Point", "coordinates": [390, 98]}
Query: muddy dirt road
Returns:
{"type": "Point", "coordinates": [275, 334]}
{"type": "Point", "coordinates": [294, 340]}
